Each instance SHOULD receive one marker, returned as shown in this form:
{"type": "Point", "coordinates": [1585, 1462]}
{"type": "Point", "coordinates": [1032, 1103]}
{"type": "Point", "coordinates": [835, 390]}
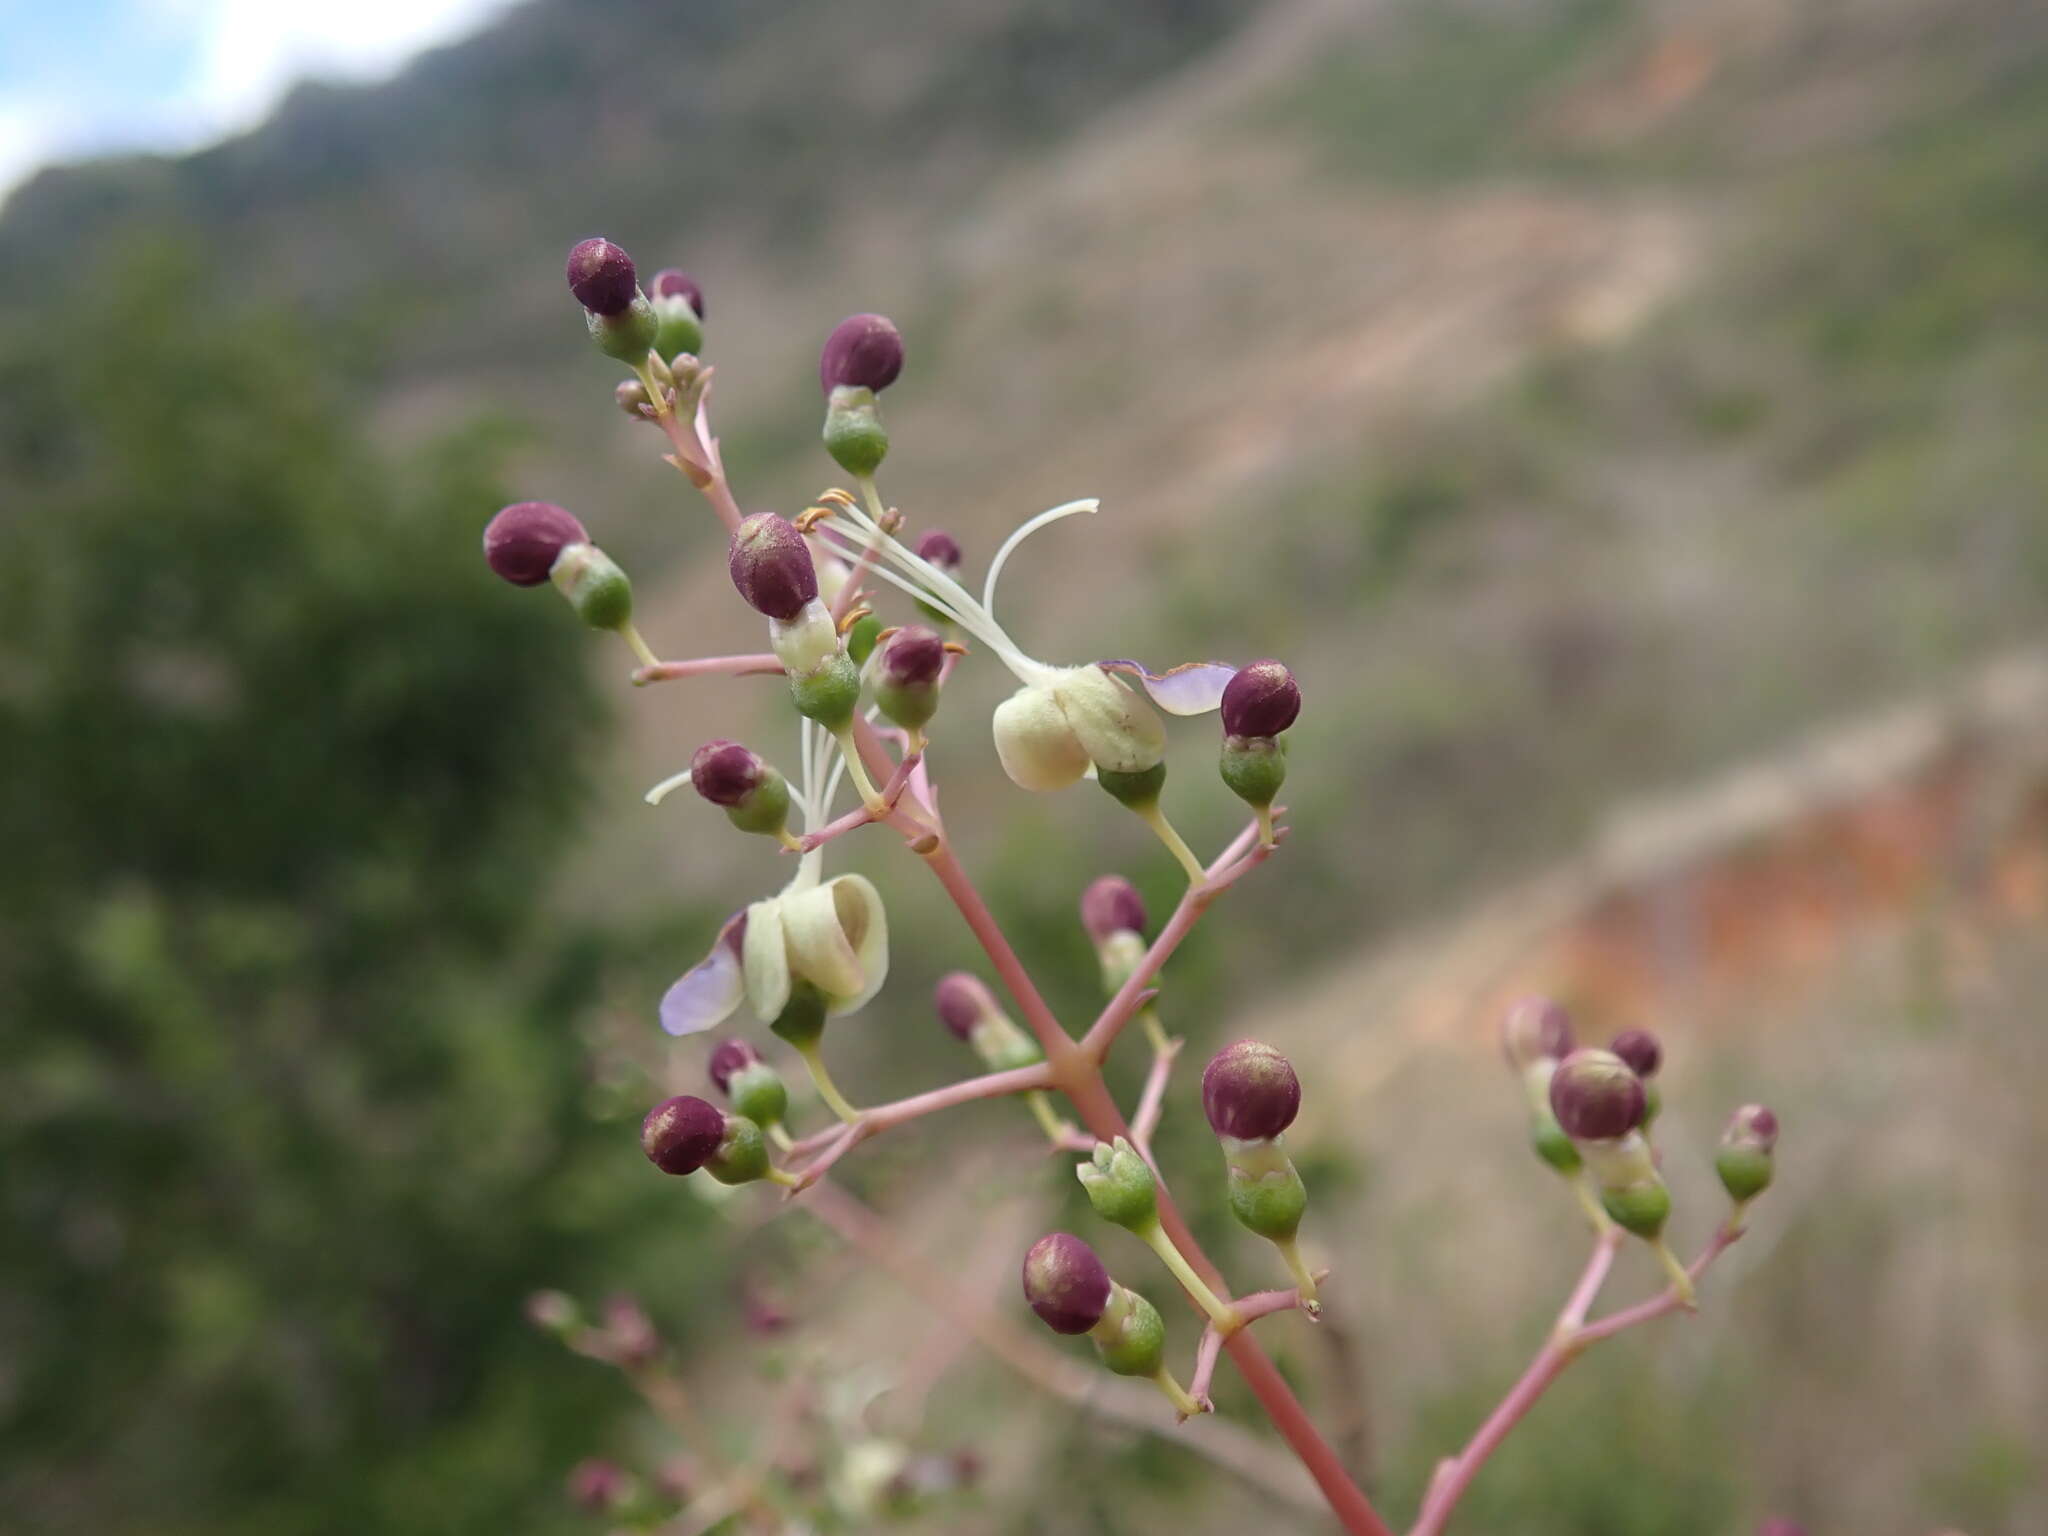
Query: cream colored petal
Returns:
{"type": "Point", "coordinates": [866, 927]}
{"type": "Point", "coordinates": [765, 960]}
{"type": "Point", "coordinates": [820, 951]}
{"type": "Point", "coordinates": [1115, 726]}
{"type": "Point", "coordinates": [1037, 746]}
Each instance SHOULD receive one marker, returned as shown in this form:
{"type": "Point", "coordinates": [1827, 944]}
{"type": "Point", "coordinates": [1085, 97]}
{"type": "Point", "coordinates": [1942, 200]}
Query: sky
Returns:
{"type": "Point", "coordinates": [83, 77]}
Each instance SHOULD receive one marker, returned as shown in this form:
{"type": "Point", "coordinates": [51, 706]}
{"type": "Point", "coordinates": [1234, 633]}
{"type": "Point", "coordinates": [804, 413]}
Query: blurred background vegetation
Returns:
{"type": "Point", "coordinates": [1623, 413]}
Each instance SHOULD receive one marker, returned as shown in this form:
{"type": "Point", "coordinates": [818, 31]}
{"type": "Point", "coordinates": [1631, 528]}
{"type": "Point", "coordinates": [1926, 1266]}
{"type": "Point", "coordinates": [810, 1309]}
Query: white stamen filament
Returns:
{"type": "Point", "coordinates": [667, 787]}
{"type": "Point", "coordinates": [1088, 504]}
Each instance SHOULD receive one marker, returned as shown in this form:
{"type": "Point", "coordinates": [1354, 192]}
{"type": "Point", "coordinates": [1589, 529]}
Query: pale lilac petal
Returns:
{"type": "Point", "coordinates": [704, 996]}
{"type": "Point", "coordinates": [1192, 688]}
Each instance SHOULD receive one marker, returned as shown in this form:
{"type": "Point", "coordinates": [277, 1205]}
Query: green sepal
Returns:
{"type": "Point", "coordinates": [860, 640]}
{"type": "Point", "coordinates": [766, 810]}
{"type": "Point", "coordinates": [1552, 1145]}
{"type": "Point", "coordinates": [627, 335]}
{"type": "Point", "coordinates": [1138, 790]}
{"type": "Point", "coordinates": [1268, 1202]}
{"type": "Point", "coordinates": [802, 1020]}
{"type": "Point", "coordinates": [1653, 1102]}
{"type": "Point", "coordinates": [1120, 1186]}
{"type": "Point", "coordinates": [1745, 1171]}
{"type": "Point", "coordinates": [1130, 1337]}
{"type": "Point", "coordinates": [1639, 1208]}
{"type": "Point", "coordinates": [828, 694]}
{"type": "Point", "coordinates": [743, 1156]}
{"type": "Point", "coordinates": [758, 1093]}
{"type": "Point", "coordinates": [854, 434]}
{"type": "Point", "coordinates": [911, 707]}
{"type": "Point", "coordinates": [1002, 1046]}
{"type": "Point", "coordinates": [679, 329]}
{"type": "Point", "coordinates": [594, 585]}
{"type": "Point", "coordinates": [1254, 767]}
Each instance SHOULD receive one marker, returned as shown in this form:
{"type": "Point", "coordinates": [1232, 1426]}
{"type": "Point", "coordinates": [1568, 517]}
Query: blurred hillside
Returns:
{"type": "Point", "coordinates": [1586, 396]}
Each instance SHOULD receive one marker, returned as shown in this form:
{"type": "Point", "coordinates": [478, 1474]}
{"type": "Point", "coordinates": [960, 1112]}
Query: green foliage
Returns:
{"type": "Point", "coordinates": [285, 770]}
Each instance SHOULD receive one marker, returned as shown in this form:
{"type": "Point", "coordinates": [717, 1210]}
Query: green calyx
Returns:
{"type": "Point", "coordinates": [1254, 767]}
{"type": "Point", "coordinates": [908, 705]}
{"type": "Point", "coordinates": [758, 1093]}
{"type": "Point", "coordinates": [627, 335]}
{"type": "Point", "coordinates": [766, 810]}
{"type": "Point", "coordinates": [854, 435]}
{"type": "Point", "coordinates": [1745, 1172]}
{"type": "Point", "coordinates": [802, 1020]}
{"type": "Point", "coordinates": [829, 693]}
{"type": "Point", "coordinates": [1266, 1193]}
{"type": "Point", "coordinates": [594, 585]}
{"type": "Point", "coordinates": [1639, 1208]}
{"type": "Point", "coordinates": [860, 640]}
{"type": "Point", "coordinates": [1120, 1186]}
{"type": "Point", "coordinates": [1139, 791]}
{"type": "Point", "coordinates": [1653, 1101]}
{"type": "Point", "coordinates": [679, 329]}
{"type": "Point", "coordinates": [743, 1156]}
{"type": "Point", "coordinates": [1551, 1143]}
{"type": "Point", "coordinates": [1002, 1046]}
{"type": "Point", "coordinates": [1130, 1337]}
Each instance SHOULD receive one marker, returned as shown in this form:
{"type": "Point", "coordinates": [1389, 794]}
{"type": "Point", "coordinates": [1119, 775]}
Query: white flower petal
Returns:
{"type": "Point", "coordinates": [704, 996]}
{"type": "Point", "coordinates": [765, 959]}
{"type": "Point", "coordinates": [1115, 727]}
{"type": "Point", "coordinates": [819, 949]}
{"type": "Point", "coordinates": [866, 926]}
{"type": "Point", "coordinates": [1038, 748]}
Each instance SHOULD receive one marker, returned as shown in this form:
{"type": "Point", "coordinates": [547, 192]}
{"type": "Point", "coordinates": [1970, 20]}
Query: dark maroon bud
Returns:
{"type": "Point", "coordinates": [940, 548]}
{"type": "Point", "coordinates": [598, 1486]}
{"type": "Point", "coordinates": [725, 773]}
{"type": "Point", "coordinates": [865, 351]}
{"type": "Point", "coordinates": [728, 1057]}
{"type": "Point", "coordinates": [1596, 1096]}
{"type": "Point", "coordinates": [680, 1135]}
{"type": "Point", "coordinates": [522, 542]}
{"type": "Point", "coordinates": [602, 277]}
{"type": "Point", "coordinates": [1640, 1049]}
{"type": "Point", "coordinates": [1111, 904]}
{"type": "Point", "coordinates": [962, 1002]}
{"type": "Point", "coordinates": [1250, 1092]}
{"type": "Point", "coordinates": [1261, 700]}
{"type": "Point", "coordinates": [1065, 1283]}
{"type": "Point", "coordinates": [672, 281]}
{"type": "Point", "coordinates": [1752, 1126]}
{"type": "Point", "coordinates": [771, 566]}
{"type": "Point", "coordinates": [1535, 1029]}
{"type": "Point", "coordinates": [913, 657]}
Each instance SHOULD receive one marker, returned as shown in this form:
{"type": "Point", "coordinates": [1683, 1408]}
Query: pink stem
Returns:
{"type": "Point", "coordinates": [1568, 1340]}
{"type": "Point", "coordinates": [1152, 1102]}
{"type": "Point", "coordinates": [891, 792]}
{"type": "Point", "coordinates": [1123, 1007]}
{"type": "Point", "coordinates": [709, 666]}
{"type": "Point", "coordinates": [886, 1117]}
{"type": "Point", "coordinates": [1249, 1310]}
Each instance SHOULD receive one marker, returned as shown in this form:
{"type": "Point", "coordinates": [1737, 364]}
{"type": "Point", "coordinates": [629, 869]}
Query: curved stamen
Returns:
{"type": "Point", "coordinates": [1087, 504]}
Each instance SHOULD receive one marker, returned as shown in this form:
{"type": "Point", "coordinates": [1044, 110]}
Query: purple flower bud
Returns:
{"type": "Point", "coordinates": [913, 657]}
{"type": "Point", "coordinates": [1111, 904]}
{"type": "Point", "coordinates": [671, 282]}
{"type": "Point", "coordinates": [1643, 1052]}
{"type": "Point", "coordinates": [598, 1486]}
{"type": "Point", "coordinates": [680, 1135]}
{"type": "Point", "coordinates": [865, 351]}
{"type": "Point", "coordinates": [1535, 1029]}
{"type": "Point", "coordinates": [630, 1338]}
{"type": "Point", "coordinates": [602, 277]}
{"type": "Point", "coordinates": [962, 1002]}
{"type": "Point", "coordinates": [940, 548]}
{"type": "Point", "coordinates": [728, 1057]}
{"type": "Point", "coordinates": [771, 566]}
{"type": "Point", "coordinates": [1261, 700]}
{"type": "Point", "coordinates": [1250, 1092]}
{"type": "Point", "coordinates": [1596, 1096]}
{"type": "Point", "coordinates": [725, 773]}
{"type": "Point", "coordinates": [522, 542]}
{"type": "Point", "coordinates": [1065, 1283]}
{"type": "Point", "coordinates": [1752, 1126]}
